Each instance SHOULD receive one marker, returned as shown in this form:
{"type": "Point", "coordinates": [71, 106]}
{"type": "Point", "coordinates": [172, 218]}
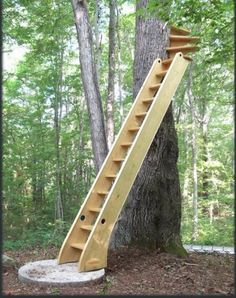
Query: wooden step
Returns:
{"type": "Point", "coordinates": [102, 193]}
{"type": "Point", "coordinates": [182, 49]}
{"type": "Point", "coordinates": [118, 159]}
{"type": "Point", "coordinates": [94, 209]}
{"type": "Point", "coordinates": [155, 87]}
{"type": "Point", "coordinates": [128, 144]}
{"type": "Point", "coordinates": [110, 176]}
{"type": "Point", "coordinates": [86, 227]}
{"type": "Point", "coordinates": [161, 73]}
{"type": "Point", "coordinates": [148, 100]}
{"type": "Point", "coordinates": [139, 115]}
{"type": "Point", "coordinates": [180, 38]}
{"type": "Point", "coordinates": [78, 245]}
{"type": "Point", "coordinates": [93, 261]}
{"type": "Point", "coordinates": [179, 31]}
{"type": "Point", "coordinates": [168, 61]}
{"type": "Point", "coordinates": [188, 58]}
{"type": "Point", "coordinates": [134, 129]}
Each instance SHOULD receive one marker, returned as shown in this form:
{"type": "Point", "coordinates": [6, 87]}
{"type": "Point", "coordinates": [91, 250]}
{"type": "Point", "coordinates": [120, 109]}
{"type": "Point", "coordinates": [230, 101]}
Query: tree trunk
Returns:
{"type": "Point", "coordinates": [186, 172]}
{"type": "Point", "coordinates": [152, 214]}
{"type": "Point", "coordinates": [120, 95]}
{"type": "Point", "coordinates": [111, 74]}
{"type": "Point", "coordinates": [57, 125]}
{"type": "Point", "coordinates": [90, 83]}
{"type": "Point", "coordinates": [194, 159]}
{"type": "Point", "coordinates": [98, 48]}
{"type": "Point", "coordinates": [34, 182]}
{"type": "Point", "coordinates": [204, 127]}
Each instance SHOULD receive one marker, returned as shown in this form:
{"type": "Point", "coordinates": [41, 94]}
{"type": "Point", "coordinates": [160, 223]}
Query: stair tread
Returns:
{"type": "Point", "coordinates": [110, 176]}
{"type": "Point", "coordinates": [179, 31]}
{"type": "Point", "coordinates": [156, 86]}
{"type": "Point", "coordinates": [87, 227]}
{"type": "Point", "coordinates": [95, 209]}
{"type": "Point", "coordinates": [78, 245]}
{"type": "Point", "coordinates": [182, 48]}
{"type": "Point", "coordinates": [126, 144]}
{"type": "Point", "coordinates": [134, 128]}
{"type": "Point", "coordinates": [183, 38]}
{"type": "Point", "coordinates": [118, 159]}
{"type": "Point", "coordinates": [148, 100]}
{"type": "Point", "coordinates": [188, 58]}
{"type": "Point", "coordinates": [161, 73]}
{"type": "Point", "coordinates": [102, 192]}
{"type": "Point", "coordinates": [141, 114]}
{"type": "Point", "coordinates": [168, 61]}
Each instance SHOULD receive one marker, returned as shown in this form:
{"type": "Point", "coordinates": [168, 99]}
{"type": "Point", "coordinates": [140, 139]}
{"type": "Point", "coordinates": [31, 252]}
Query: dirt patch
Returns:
{"type": "Point", "coordinates": [135, 271]}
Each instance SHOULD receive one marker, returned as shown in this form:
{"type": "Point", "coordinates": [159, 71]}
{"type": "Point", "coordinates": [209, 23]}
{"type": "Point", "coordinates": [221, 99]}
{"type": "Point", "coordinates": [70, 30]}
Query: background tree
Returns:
{"type": "Point", "coordinates": [90, 83]}
{"type": "Point", "coordinates": [111, 74]}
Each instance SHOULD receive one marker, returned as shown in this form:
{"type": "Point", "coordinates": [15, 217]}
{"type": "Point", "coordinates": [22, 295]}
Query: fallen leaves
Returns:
{"type": "Point", "coordinates": [136, 271]}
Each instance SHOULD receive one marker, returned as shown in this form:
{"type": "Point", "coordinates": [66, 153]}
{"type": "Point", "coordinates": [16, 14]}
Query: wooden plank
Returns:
{"type": "Point", "coordinates": [182, 49]}
{"type": "Point", "coordinates": [134, 129]}
{"type": "Point", "coordinates": [78, 245]}
{"type": "Point", "coordinates": [118, 160]}
{"type": "Point", "coordinates": [168, 61]}
{"type": "Point", "coordinates": [141, 115]}
{"type": "Point", "coordinates": [179, 31]}
{"type": "Point", "coordinates": [184, 38]}
{"type": "Point", "coordinates": [94, 209]}
{"type": "Point", "coordinates": [161, 73]}
{"type": "Point", "coordinates": [148, 100]}
{"type": "Point", "coordinates": [155, 87]}
{"type": "Point", "coordinates": [126, 144]}
{"type": "Point", "coordinates": [110, 176]}
{"type": "Point", "coordinates": [102, 193]}
{"type": "Point", "coordinates": [86, 227]}
{"type": "Point", "coordinates": [101, 185]}
{"type": "Point", "coordinates": [97, 244]}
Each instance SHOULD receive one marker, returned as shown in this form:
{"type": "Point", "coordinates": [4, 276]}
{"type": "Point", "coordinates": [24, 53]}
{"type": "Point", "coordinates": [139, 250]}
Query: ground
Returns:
{"type": "Point", "coordinates": [135, 271]}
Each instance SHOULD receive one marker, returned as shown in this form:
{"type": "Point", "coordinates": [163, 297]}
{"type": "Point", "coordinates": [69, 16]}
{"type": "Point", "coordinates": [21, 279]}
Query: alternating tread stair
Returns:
{"type": "Point", "coordinates": [88, 238]}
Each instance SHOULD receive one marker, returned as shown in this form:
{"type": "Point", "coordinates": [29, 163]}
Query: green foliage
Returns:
{"type": "Point", "coordinates": [39, 236]}
{"type": "Point", "coordinates": [219, 233]}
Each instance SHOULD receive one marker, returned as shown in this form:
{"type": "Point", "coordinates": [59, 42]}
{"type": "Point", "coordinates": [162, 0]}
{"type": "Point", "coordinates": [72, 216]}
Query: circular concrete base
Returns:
{"type": "Point", "coordinates": [48, 272]}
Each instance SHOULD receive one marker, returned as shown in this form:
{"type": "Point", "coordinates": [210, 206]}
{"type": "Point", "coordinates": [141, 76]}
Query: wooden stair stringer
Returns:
{"type": "Point", "coordinates": [98, 241]}
{"type": "Point", "coordinates": [94, 199]}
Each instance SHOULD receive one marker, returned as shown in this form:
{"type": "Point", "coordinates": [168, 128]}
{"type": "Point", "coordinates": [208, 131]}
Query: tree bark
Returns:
{"type": "Point", "coordinates": [59, 214]}
{"type": "Point", "coordinates": [98, 49]}
{"type": "Point", "coordinates": [204, 126]}
{"type": "Point", "coordinates": [111, 74]}
{"type": "Point", "coordinates": [152, 215]}
{"type": "Point", "coordinates": [90, 83]}
{"type": "Point", "coordinates": [185, 191]}
{"type": "Point", "coordinates": [194, 158]}
{"type": "Point", "coordinates": [120, 95]}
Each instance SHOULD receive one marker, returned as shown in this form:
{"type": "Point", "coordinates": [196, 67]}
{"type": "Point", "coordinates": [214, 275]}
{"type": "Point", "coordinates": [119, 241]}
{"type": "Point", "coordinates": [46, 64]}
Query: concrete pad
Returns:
{"type": "Point", "coordinates": [48, 272]}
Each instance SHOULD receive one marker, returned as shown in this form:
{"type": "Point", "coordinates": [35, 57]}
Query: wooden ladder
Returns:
{"type": "Point", "coordinates": [88, 238]}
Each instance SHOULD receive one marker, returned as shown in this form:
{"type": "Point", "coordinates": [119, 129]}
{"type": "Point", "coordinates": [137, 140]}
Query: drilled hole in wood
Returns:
{"type": "Point", "coordinates": [82, 217]}
{"type": "Point", "coordinates": [103, 221]}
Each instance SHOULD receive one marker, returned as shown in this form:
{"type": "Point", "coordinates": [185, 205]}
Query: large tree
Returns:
{"type": "Point", "coordinates": [152, 214]}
